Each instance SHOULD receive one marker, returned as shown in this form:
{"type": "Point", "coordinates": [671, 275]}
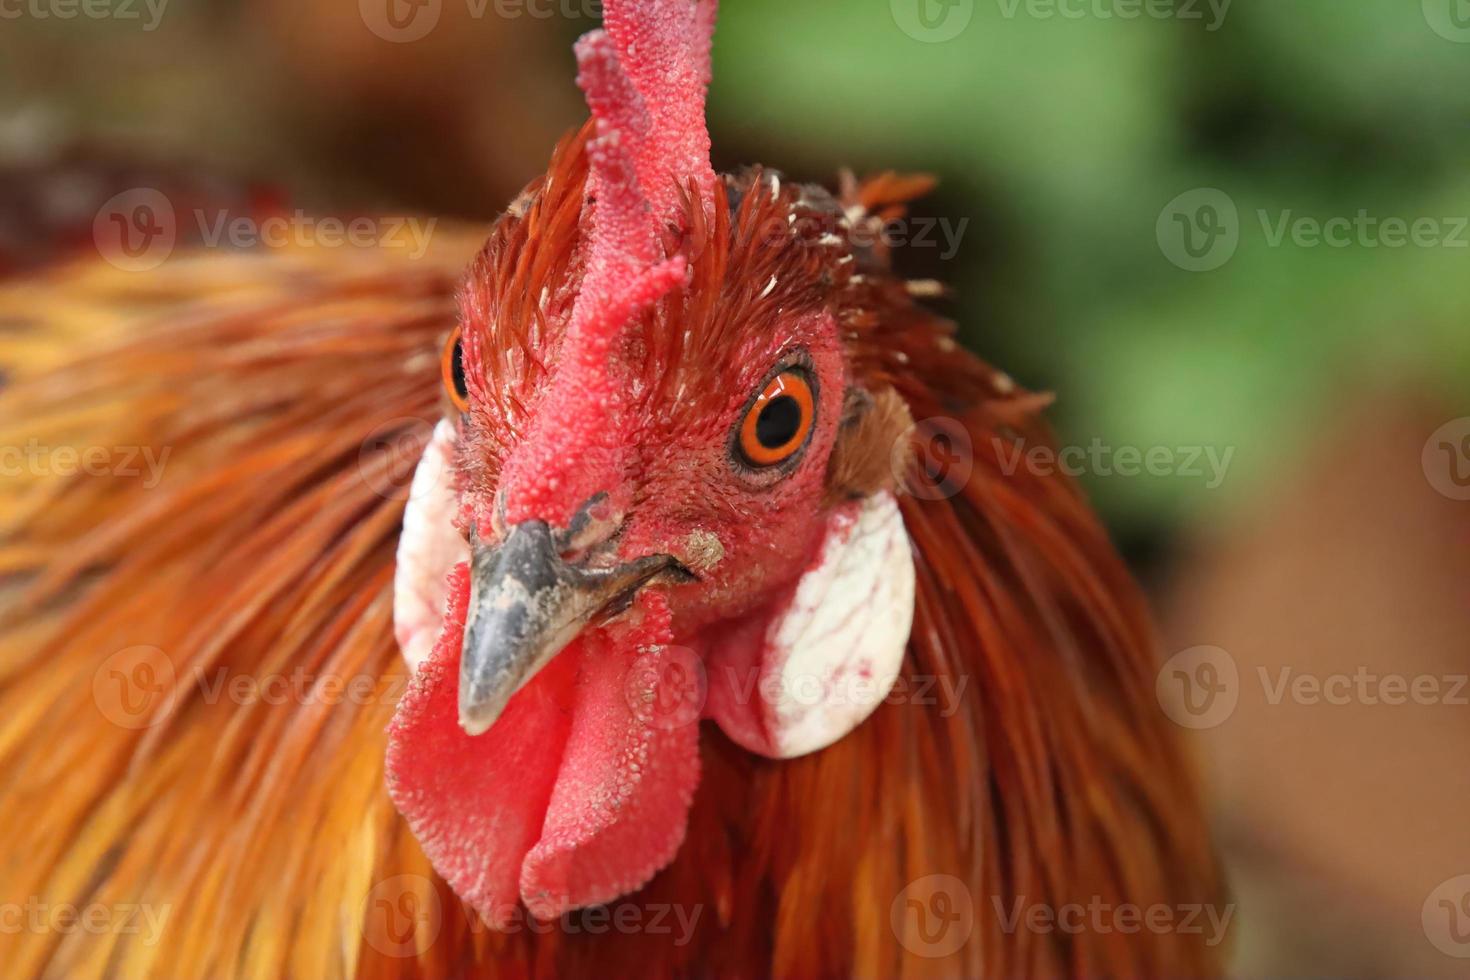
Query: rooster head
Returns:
{"type": "Point", "coordinates": [664, 490]}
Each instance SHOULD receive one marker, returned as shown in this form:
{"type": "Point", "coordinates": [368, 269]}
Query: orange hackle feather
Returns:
{"type": "Point", "coordinates": [293, 392]}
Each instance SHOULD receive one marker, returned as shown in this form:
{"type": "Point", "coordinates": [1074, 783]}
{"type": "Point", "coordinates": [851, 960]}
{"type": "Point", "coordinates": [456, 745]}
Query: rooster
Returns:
{"type": "Point", "coordinates": [603, 579]}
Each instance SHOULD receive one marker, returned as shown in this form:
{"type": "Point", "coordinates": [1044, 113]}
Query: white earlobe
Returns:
{"type": "Point", "coordinates": [834, 653]}
{"type": "Point", "coordinates": [428, 548]}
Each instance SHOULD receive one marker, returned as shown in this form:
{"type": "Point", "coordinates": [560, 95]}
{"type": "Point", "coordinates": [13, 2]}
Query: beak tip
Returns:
{"type": "Point", "coordinates": [478, 707]}
{"type": "Point", "coordinates": [475, 722]}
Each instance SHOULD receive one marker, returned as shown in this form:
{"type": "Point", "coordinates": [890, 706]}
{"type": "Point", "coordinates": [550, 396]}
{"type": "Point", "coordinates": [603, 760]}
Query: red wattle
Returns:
{"type": "Point", "coordinates": [573, 797]}
{"type": "Point", "coordinates": [620, 807]}
{"type": "Point", "coordinates": [476, 804]}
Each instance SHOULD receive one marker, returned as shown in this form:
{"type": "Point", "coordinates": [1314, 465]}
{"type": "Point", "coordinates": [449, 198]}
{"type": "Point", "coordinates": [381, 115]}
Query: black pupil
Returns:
{"type": "Point", "coordinates": [778, 422]}
{"type": "Point", "coordinates": [456, 370]}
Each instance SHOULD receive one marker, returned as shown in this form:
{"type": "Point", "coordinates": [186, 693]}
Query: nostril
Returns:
{"type": "Point", "coordinates": [498, 523]}
{"type": "Point", "coordinates": [596, 522]}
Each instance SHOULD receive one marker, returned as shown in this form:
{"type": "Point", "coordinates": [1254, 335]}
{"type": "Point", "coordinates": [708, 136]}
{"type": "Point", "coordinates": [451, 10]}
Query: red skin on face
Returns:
{"type": "Point", "coordinates": [768, 525]}
{"type": "Point", "coordinates": [606, 805]}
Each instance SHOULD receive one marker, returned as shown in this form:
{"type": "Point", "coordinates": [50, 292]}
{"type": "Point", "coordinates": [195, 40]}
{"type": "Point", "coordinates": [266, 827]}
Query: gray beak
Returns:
{"type": "Point", "coordinates": [526, 603]}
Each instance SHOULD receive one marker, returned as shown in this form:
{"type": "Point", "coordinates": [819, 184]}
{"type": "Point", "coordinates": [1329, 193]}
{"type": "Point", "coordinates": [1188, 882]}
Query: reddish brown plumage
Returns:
{"type": "Point", "coordinates": [268, 546]}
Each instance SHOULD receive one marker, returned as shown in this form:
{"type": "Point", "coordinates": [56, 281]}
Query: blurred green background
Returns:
{"type": "Point", "coordinates": [1078, 143]}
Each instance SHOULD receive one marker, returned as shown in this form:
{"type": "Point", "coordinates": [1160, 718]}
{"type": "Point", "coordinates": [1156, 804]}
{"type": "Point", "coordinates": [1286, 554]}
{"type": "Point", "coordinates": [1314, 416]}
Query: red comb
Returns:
{"type": "Point", "coordinates": [645, 76]}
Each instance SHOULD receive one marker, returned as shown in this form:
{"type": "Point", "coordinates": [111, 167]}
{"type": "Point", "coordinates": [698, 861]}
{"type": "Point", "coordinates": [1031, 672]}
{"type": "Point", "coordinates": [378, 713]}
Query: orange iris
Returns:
{"type": "Point", "coordinates": [778, 422]}
{"type": "Point", "coordinates": [451, 365]}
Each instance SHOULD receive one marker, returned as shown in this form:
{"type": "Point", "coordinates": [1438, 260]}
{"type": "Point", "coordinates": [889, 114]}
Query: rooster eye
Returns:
{"type": "Point", "coordinates": [452, 367]}
{"type": "Point", "coordinates": [778, 421]}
